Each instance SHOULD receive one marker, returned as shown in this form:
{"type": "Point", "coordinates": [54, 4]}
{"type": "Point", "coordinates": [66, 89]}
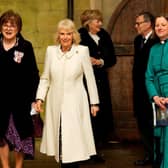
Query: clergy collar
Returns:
{"type": "Point", "coordinates": [163, 41]}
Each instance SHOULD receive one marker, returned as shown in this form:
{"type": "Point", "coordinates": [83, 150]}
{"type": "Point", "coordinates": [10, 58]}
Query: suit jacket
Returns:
{"type": "Point", "coordinates": [142, 105]}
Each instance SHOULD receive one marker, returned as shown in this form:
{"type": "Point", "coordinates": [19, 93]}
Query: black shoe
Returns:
{"type": "Point", "coordinates": [97, 159]}
{"type": "Point", "coordinates": [144, 162]}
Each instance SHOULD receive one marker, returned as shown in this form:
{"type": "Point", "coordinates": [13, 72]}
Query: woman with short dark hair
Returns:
{"type": "Point", "coordinates": [19, 80]}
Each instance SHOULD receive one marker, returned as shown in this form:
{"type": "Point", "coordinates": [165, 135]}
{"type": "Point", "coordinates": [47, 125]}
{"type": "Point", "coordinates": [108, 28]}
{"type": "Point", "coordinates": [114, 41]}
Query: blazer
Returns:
{"type": "Point", "coordinates": [142, 105]}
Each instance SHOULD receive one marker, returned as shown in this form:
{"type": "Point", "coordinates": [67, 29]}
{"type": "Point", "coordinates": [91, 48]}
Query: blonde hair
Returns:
{"type": "Point", "coordinates": [89, 15]}
{"type": "Point", "coordinates": [68, 25]}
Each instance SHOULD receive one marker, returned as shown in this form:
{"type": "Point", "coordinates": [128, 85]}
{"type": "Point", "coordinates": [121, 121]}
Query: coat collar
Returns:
{"type": "Point", "coordinates": [67, 55]}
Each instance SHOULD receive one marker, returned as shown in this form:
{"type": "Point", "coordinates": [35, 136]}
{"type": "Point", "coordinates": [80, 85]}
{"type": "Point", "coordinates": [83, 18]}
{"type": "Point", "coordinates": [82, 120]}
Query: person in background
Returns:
{"type": "Point", "coordinates": [144, 25]}
{"type": "Point", "coordinates": [67, 131]}
{"type": "Point", "coordinates": [102, 56]}
{"type": "Point", "coordinates": [157, 84]}
{"type": "Point", "coordinates": [19, 81]}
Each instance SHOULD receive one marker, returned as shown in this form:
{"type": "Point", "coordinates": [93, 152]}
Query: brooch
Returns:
{"type": "Point", "coordinates": [18, 56]}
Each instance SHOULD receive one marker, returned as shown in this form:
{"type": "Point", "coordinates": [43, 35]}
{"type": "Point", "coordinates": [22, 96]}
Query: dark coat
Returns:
{"type": "Point", "coordinates": [17, 87]}
{"type": "Point", "coordinates": [104, 50]}
{"type": "Point", "coordinates": [142, 105]}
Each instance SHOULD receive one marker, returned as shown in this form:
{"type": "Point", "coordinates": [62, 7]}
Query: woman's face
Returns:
{"type": "Point", "coordinates": [66, 38]}
{"type": "Point", "coordinates": [161, 28]}
{"type": "Point", "coordinates": [9, 30]}
{"type": "Point", "coordinates": [95, 26]}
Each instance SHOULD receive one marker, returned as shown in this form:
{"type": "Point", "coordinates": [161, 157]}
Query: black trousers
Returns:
{"type": "Point", "coordinates": [70, 165]}
{"type": "Point", "coordinates": [146, 132]}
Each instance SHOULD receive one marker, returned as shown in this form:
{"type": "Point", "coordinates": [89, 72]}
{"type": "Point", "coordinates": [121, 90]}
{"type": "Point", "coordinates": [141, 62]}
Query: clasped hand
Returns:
{"type": "Point", "coordinates": [37, 105]}
{"type": "Point", "coordinates": [161, 101]}
{"type": "Point", "coordinates": [95, 61]}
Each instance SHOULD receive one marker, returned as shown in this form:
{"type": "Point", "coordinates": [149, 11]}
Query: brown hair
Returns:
{"type": "Point", "coordinates": [89, 15]}
{"type": "Point", "coordinates": [11, 16]}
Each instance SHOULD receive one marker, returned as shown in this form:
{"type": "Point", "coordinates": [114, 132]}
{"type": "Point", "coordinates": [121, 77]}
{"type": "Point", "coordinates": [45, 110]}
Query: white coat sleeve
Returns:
{"type": "Point", "coordinates": [45, 78]}
{"type": "Point", "coordinates": [90, 78]}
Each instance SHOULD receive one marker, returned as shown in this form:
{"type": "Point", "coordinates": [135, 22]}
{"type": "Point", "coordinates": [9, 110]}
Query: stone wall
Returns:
{"type": "Point", "coordinates": [40, 18]}
{"type": "Point", "coordinates": [39, 21]}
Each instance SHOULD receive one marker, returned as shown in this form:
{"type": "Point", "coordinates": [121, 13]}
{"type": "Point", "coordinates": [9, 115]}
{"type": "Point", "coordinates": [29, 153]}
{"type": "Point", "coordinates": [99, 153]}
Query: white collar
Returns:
{"type": "Point", "coordinates": [67, 54]}
{"type": "Point", "coordinates": [95, 37]}
{"type": "Point", "coordinates": [147, 36]}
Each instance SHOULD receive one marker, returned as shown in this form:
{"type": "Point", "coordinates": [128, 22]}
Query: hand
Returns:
{"type": "Point", "coordinates": [95, 61]}
{"type": "Point", "coordinates": [38, 105]}
{"type": "Point", "coordinates": [160, 101]}
{"type": "Point", "coordinates": [166, 100]}
{"type": "Point", "coordinates": [94, 110]}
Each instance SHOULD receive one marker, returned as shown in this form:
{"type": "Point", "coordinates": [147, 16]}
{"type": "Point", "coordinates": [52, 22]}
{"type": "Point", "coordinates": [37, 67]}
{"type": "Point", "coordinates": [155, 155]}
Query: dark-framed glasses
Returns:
{"type": "Point", "coordinates": [139, 23]}
{"type": "Point", "coordinates": [9, 26]}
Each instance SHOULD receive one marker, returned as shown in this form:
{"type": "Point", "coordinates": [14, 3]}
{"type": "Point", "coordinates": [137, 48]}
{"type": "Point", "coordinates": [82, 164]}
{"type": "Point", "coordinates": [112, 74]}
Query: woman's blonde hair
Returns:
{"type": "Point", "coordinates": [68, 25]}
{"type": "Point", "coordinates": [89, 15]}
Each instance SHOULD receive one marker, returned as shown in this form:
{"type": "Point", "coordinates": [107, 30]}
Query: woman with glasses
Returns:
{"type": "Point", "coordinates": [19, 80]}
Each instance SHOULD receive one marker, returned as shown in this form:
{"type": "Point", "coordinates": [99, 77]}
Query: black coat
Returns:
{"type": "Point", "coordinates": [142, 105]}
{"type": "Point", "coordinates": [104, 50]}
{"type": "Point", "coordinates": [18, 86]}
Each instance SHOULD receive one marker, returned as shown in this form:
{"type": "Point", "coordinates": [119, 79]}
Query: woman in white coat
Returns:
{"type": "Point", "coordinates": [67, 133]}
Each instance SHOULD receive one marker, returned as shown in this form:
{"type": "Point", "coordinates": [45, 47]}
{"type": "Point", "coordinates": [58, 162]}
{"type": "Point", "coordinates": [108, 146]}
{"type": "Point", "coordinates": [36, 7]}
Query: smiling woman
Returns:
{"type": "Point", "coordinates": [102, 57]}
{"type": "Point", "coordinates": [19, 74]}
{"type": "Point", "coordinates": [10, 27]}
{"type": "Point", "coordinates": [65, 40]}
{"type": "Point", "coordinates": [67, 131]}
{"type": "Point", "coordinates": [157, 86]}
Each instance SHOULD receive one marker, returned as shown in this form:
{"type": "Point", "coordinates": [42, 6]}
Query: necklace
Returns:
{"type": "Point", "coordinates": [8, 44]}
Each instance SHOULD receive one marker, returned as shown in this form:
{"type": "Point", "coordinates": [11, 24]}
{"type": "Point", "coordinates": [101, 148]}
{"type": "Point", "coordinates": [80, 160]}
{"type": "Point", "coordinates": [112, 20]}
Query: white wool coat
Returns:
{"type": "Point", "coordinates": [67, 108]}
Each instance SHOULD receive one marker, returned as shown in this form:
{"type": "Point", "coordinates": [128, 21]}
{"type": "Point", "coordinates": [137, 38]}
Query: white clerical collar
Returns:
{"type": "Point", "coordinates": [163, 41]}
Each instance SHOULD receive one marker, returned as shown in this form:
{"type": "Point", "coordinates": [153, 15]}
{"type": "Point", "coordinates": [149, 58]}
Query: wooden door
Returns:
{"type": "Point", "coordinates": [121, 28]}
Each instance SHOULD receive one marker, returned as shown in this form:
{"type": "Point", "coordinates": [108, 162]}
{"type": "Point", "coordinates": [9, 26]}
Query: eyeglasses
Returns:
{"type": "Point", "coordinates": [11, 26]}
{"type": "Point", "coordinates": [139, 23]}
